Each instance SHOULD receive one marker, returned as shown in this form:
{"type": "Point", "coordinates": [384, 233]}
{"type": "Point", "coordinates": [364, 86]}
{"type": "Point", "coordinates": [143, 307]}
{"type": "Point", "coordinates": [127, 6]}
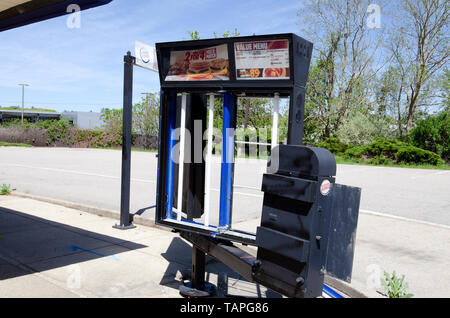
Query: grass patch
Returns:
{"type": "Point", "coordinates": [348, 161]}
{"type": "Point", "coordinates": [13, 144]}
{"type": "Point", "coordinates": [132, 149]}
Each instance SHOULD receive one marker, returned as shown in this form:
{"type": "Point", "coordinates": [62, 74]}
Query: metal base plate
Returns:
{"type": "Point", "coordinates": [124, 227]}
{"type": "Point", "coordinates": [187, 291]}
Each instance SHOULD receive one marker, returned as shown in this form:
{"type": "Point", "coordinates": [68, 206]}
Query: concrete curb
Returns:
{"type": "Point", "coordinates": [343, 288]}
{"type": "Point", "coordinates": [112, 214]}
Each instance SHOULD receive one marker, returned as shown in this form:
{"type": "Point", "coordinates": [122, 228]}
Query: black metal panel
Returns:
{"type": "Point", "coordinates": [302, 161]}
{"type": "Point", "coordinates": [35, 11]}
{"type": "Point", "coordinates": [288, 187]}
{"type": "Point", "coordinates": [279, 278]}
{"type": "Point", "coordinates": [296, 114]}
{"type": "Point", "coordinates": [302, 52]}
{"type": "Point", "coordinates": [287, 216]}
{"type": "Point", "coordinates": [284, 244]}
{"type": "Point", "coordinates": [342, 232]}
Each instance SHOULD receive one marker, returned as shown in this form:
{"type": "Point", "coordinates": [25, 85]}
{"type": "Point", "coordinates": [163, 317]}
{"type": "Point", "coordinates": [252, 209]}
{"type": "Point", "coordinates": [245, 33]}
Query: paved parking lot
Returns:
{"type": "Point", "coordinates": [92, 177]}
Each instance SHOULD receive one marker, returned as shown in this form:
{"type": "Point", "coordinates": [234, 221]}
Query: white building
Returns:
{"type": "Point", "coordinates": [84, 120]}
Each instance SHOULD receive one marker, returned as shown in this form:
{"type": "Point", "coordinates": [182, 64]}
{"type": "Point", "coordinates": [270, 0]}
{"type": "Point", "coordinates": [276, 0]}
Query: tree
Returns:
{"type": "Point", "coordinates": [255, 113]}
{"type": "Point", "coordinates": [388, 95]}
{"type": "Point", "coordinates": [420, 46]}
{"type": "Point", "coordinates": [146, 115]}
{"type": "Point", "coordinates": [113, 119]}
{"type": "Point", "coordinates": [444, 89]}
{"type": "Point", "coordinates": [433, 134]}
{"type": "Point", "coordinates": [342, 72]}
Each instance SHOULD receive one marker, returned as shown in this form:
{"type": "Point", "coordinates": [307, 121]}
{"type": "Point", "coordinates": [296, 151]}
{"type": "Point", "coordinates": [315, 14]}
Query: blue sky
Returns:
{"type": "Point", "coordinates": [82, 69]}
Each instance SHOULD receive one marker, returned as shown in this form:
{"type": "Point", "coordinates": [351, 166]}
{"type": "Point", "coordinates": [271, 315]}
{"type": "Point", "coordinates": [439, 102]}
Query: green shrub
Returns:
{"type": "Point", "coordinates": [5, 189]}
{"type": "Point", "coordinates": [333, 144]}
{"type": "Point", "coordinates": [433, 134]}
{"type": "Point", "coordinates": [389, 151]}
{"type": "Point", "coordinates": [57, 129]}
{"type": "Point", "coordinates": [395, 286]}
{"type": "Point", "coordinates": [381, 160]}
{"type": "Point", "coordinates": [411, 154]}
{"type": "Point", "coordinates": [361, 129]}
{"type": "Point", "coordinates": [400, 152]}
{"type": "Point", "coordinates": [355, 152]}
{"type": "Point", "coordinates": [384, 147]}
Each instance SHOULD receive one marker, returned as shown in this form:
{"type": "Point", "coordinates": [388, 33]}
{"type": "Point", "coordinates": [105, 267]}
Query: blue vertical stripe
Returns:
{"type": "Point", "coordinates": [226, 180]}
{"type": "Point", "coordinates": [170, 161]}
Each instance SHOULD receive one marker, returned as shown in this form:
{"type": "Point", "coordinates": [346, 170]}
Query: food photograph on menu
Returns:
{"type": "Point", "coordinates": [206, 64]}
{"type": "Point", "coordinates": [262, 60]}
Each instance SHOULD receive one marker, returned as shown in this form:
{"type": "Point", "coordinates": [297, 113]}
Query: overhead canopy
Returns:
{"type": "Point", "coordinates": [17, 13]}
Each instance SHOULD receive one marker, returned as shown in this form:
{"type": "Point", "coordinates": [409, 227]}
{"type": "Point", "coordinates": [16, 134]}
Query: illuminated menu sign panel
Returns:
{"type": "Point", "coordinates": [205, 64]}
{"type": "Point", "coordinates": [262, 60]}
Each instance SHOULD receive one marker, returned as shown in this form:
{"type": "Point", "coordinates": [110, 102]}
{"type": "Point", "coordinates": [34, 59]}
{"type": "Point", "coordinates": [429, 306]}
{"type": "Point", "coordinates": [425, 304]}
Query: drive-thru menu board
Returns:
{"type": "Point", "coordinates": [209, 64]}
{"type": "Point", "coordinates": [262, 60]}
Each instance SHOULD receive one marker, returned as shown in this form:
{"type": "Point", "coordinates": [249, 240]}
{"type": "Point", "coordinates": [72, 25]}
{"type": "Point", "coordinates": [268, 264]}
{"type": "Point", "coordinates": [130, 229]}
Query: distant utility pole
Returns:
{"type": "Point", "coordinates": [23, 98]}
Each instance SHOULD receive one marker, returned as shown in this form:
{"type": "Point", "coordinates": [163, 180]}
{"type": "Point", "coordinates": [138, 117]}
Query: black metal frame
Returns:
{"type": "Point", "coordinates": [300, 52]}
{"type": "Point", "coordinates": [298, 268]}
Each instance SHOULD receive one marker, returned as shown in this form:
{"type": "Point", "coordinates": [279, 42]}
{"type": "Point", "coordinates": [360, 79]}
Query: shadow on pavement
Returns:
{"type": "Point", "coordinates": [141, 211]}
{"type": "Point", "coordinates": [228, 282]}
{"type": "Point", "coordinates": [28, 242]}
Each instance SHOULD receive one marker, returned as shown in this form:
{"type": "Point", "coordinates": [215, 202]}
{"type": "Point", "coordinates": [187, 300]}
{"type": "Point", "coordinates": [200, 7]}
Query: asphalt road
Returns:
{"type": "Point", "coordinates": [92, 177]}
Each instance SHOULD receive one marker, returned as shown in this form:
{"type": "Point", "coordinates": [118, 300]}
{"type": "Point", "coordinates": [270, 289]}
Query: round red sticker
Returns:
{"type": "Point", "coordinates": [325, 187]}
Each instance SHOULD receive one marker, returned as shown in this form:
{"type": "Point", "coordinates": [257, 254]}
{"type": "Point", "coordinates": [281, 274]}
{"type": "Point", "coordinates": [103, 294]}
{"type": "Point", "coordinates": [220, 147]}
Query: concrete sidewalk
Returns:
{"type": "Point", "coordinates": [49, 250]}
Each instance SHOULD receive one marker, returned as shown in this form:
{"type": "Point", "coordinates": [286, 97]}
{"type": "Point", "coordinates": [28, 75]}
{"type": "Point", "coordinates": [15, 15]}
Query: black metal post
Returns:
{"type": "Point", "coordinates": [296, 116]}
{"type": "Point", "coordinates": [125, 217]}
{"type": "Point", "coordinates": [198, 268]}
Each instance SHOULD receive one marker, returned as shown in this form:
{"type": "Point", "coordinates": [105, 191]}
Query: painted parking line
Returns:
{"type": "Point", "coordinates": [431, 174]}
{"type": "Point", "coordinates": [404, 218]}
{"type": "Point", "coordinates": [60, 170]}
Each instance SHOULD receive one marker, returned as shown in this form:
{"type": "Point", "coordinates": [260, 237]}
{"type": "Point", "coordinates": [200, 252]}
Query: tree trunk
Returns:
{"type": "Point", "coordinates": [399, 111]}
{"type": "Point", "coordinates": [413, 106]}
{"type": "Point", "coordinates": [246, 112]}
